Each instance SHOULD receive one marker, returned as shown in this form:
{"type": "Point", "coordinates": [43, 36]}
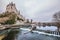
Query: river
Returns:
{"type": "Point", "coordinates": [19, 34]}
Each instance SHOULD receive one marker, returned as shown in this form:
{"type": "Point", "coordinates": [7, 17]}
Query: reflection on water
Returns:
{"type": "Point", "coordinates": [19, 35]}
{"type": "Point", "coordinates": [11, 35]}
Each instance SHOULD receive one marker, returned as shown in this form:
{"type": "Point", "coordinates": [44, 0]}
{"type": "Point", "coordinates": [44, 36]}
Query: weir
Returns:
{"type": "Point", "coordinates": [46, 32]}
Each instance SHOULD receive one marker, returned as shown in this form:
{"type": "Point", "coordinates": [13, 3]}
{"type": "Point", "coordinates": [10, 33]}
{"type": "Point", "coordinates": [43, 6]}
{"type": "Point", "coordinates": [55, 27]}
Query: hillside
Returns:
{"type": "Point", "coordinates": [8, 18]}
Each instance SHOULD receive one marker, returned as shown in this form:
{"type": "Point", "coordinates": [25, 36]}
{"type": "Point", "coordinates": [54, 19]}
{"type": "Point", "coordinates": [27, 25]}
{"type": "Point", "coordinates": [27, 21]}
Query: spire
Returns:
{"type": "Point", "coordinates": [11, 4]}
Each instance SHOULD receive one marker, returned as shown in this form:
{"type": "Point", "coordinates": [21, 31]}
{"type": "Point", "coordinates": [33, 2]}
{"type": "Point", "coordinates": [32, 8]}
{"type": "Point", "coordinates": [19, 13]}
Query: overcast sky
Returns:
{"type": "Point", "coordinates": [38, 10]}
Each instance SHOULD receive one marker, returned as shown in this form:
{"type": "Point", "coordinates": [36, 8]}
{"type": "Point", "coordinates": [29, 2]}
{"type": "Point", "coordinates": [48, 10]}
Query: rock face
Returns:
{"type": "Point", "coordinates": [11, 15]}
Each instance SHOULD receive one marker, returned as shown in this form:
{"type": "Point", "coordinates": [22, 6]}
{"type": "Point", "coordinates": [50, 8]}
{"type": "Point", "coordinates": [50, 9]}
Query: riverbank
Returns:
{"type": "Point", "coordinates": [18, 34]}
{"type": "Point", "coordinates": [2, 36]}
{"type": "Point", "coordinates": [11, 35]}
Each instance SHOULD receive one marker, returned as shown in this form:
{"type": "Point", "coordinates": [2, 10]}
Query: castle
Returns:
{"type": "Point", "coordinates": [12, 8]}
{"type": "Point", "coordinates": [9, 12]}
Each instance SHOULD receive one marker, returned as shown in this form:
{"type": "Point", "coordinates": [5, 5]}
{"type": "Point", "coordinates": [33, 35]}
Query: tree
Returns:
{"type": "Point", "coordinates": [11, 17]}
{"type": "Point", "coordinates": [56, 17]}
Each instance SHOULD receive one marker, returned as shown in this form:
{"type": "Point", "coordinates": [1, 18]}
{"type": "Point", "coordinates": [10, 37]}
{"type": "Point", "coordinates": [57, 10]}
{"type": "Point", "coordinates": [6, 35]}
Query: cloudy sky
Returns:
{"type": "Point", "coordinates": [38, 10]}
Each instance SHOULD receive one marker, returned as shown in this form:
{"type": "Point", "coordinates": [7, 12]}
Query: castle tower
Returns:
{"type": "Point", "coordinates": [11, 7]}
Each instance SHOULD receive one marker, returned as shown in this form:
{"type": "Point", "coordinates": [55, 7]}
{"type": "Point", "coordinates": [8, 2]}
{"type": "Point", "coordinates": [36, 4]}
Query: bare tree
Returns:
{"type": "Point", "coordinates": [56, 17]}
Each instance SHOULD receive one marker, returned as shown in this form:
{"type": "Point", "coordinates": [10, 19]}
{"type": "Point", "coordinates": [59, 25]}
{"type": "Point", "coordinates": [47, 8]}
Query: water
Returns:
{"type": "Point", "coordinates": [34, 36]}
{"type": "Point", "coordinates": [51, 28]}
{"type": "Point", "coordinates": [20, 35]}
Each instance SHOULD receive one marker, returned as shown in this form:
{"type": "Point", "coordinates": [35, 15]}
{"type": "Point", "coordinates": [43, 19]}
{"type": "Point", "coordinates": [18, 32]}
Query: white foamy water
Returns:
{"type": "Point", "coordinates": [51, 28]}
{"type": "Point", "coordinates": [27, 29]}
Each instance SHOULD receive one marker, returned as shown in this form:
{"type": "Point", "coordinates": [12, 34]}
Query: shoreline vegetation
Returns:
{"type": "Point", "coordinates": [8, 18]}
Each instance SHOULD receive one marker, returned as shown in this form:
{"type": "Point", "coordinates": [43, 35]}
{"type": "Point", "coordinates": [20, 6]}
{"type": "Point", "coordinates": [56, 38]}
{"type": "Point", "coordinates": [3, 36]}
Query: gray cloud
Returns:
{"type": "Point", "coordinates": [38, 10]}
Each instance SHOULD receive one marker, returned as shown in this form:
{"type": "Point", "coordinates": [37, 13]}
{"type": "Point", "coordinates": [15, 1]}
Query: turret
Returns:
{"type": "Point", "coordinates": [11, 7]}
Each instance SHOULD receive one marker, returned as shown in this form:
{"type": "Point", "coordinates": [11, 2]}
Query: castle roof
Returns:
{"type": "Point", "coordinates": [11, 4]}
